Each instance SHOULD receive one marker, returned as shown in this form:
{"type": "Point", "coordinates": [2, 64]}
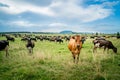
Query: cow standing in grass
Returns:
{"type": "Point", "coordinates": [4, 46]}
{"type": "Point", "coordinates": [9, 38]}
{"type": "Point", "coordinates": [104, 43]}
{"type": "Point", "coordinates": [75, 45]}
{"type": "Point", "coordinates": [30, 45]}
{"type": "Point", "coordinates": [118, 37]}
{"type": "Point", "coordinates": [59, 40]}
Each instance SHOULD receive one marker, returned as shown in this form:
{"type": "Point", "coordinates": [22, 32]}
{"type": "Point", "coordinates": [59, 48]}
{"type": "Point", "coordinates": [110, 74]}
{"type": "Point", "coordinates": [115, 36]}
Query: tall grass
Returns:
{"type": "Point", "coordinates": [53, 61]}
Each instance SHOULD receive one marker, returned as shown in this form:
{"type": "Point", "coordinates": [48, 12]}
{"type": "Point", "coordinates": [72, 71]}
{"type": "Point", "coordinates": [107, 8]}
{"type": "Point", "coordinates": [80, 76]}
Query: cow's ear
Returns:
{"type": "Point", "coordinates": [80, 40]}
{"type": "Point", "coordinates": [73, 37]}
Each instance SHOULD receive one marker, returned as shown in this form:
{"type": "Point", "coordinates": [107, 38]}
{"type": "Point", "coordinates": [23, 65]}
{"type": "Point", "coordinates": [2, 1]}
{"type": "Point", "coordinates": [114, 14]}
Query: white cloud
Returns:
{"type": "Point", "coordinates": [67, 9]}
{"type": "Point", "coordinates": [51, 30]}
{"type": "Point", "coordinates": [74, 28]}
{"type": "Point", "coordinates": [23, 24]}
{"type": "Point", "coordinates": [55, 27]}
{"type": "Point", "coordinates": [110, 4]}
{"type": "Point", "coordinates": [20, 7]}
{"type": "Point", "coordinates": [85, 14]}
{"type": "Point", "coordinates": [95, 12]}
{"type": "Point", "coordinates": [58, 25]}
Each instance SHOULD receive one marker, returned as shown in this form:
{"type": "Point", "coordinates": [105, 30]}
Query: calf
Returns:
{"type": "Point", "coordinates": [4, 46]}
{"type": "Point", "coordinates": [30, 45]}
{"type": "Point", "coordinates": [104, 43]}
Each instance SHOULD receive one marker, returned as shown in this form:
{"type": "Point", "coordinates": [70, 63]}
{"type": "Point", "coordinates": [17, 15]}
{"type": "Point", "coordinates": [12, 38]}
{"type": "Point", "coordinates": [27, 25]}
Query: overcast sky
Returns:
{"type": "Point", "coordinates": [59, 15]}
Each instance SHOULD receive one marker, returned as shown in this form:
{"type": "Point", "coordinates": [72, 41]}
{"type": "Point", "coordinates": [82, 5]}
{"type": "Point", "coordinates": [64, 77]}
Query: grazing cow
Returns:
{"type": "Point", "coordinates": [9, 38]}
{"type": "Point", "coordinates": [41, 38]}
{"type": "Point", "coordinates": [24, 39]}
{"type": "Point", "coordinates": [75, 45]}
{"type": "Point", "coordinates": [83, 40]}
{"type": "Point", "coordinates": [92, 37]}
{"type": "Point", "coordinates": [104, 43]}
{"type": "Point", "coordinates": [34, 39]}
{"type": "Point", "coordinates": [30, 45]}
{"type": "Point", "coordinates": [100, 38]}
{"type": "Point", "coordinates": [4, 46]}
{"type": "Point", "coordinates": [67, 38]}
{"type": "Point", "coordinates": [59, 40]}
{"type": "Point", "coordinates": [118, 37]}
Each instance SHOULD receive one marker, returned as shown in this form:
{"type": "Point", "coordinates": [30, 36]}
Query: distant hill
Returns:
{"type": "Point", "coordinates": [66, 32]}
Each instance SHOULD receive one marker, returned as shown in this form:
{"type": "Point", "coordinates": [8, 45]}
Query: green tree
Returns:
{"type": "Point", "coordinates": [118, 33]}
{"type": "Point", "coordinates": [96, 34]}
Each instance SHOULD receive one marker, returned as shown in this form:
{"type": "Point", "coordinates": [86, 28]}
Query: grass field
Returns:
{"type": "Point", "coordinates": [53, 61]}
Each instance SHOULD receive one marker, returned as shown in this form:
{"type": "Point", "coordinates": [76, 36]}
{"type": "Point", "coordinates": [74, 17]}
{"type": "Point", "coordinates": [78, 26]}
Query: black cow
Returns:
{"type": "Point", "coordinates": [118, 37]}
{"type": "Point", "coordinates": [34, 39]}
{"type": "Point", "coordinates": [30, 45]}
{"type": "Point", "coordinates": [104, 43]}
{"type": "Point", "coordinates": [92, 37]}
{"type": "Point", "coordinates": [67, 38]}
{"type": "Point", "coordinates": [4, 46]}
{"type": "Point", "coordinates": [83, 40]}
{"type": "Point", "coordinates": [24, 39]}
{"type": "Point", "coordinates": [9, 38]}
{"type": "Point", "coordinates": [59, 40]}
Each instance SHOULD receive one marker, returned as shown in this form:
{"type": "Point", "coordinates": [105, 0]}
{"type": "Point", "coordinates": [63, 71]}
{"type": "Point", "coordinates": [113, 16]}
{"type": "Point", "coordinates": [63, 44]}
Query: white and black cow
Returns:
{"type": "Point", "coordinates": [104, 43]}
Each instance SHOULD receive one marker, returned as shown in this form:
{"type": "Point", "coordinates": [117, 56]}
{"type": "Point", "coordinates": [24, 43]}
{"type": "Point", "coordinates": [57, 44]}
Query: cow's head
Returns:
{"type": "Point", "coordinates": [78, 41]}
{"type": "Point", "coordinates": [115, 49]}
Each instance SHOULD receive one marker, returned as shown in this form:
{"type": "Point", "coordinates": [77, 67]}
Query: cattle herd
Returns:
{"type": "Point", "coordinates": [74, 44]}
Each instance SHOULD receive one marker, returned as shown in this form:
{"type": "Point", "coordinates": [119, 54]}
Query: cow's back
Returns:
{"type": "Point", "coordinates": [103, 43]}
{"type": "Point", "coordinates": [3, 44]}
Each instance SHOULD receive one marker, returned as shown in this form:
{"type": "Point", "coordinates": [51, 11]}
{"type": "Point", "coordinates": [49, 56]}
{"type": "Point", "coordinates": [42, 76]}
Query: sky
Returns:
{"type": "Point", "coordinates": [59, 15]}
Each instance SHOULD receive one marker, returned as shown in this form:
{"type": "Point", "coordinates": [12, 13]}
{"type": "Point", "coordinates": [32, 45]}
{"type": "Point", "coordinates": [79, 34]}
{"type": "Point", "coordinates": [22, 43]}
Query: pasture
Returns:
{"type": "Point", "coordinates": [53, 61]}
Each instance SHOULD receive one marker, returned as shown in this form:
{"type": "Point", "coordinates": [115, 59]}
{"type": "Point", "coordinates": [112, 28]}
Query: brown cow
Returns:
{"type": "Point", "coordinates": [75, 45]}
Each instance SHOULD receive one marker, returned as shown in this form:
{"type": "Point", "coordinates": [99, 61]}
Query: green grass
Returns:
{"type": "Point", "coordinates": [53, 61]}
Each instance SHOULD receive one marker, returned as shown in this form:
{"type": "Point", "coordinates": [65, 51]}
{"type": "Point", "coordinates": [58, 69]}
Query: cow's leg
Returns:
{"type": "Point", "coordinates": [104, 49]}
{"type": "Point", "coordinates": [73, 57]}
{"type": "Point", "coordinates": [6, 50]}
{"type": "Point", "coordinates": [107, 50]}
{"type": "Point", "coordinates": [29, 49]}
{"type": "Point", "coordinates": [78, 58]}
{"type": "Point", "coordinates": [32, 50]}
{"type": "Point", "coordinates": [94, 49]}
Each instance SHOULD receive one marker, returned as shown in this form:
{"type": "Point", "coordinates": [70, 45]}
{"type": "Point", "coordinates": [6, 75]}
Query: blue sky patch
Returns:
{"type": "Point", "coordinates": [59, 15]}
